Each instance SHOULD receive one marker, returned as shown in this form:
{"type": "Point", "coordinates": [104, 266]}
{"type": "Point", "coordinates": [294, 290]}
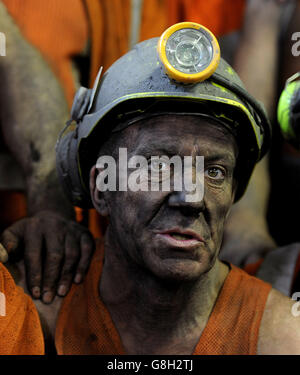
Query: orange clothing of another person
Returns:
{"type": "Point", "coordinates": [20, 328]}
{"type": "Point", "coordinates": [61, 29]}
{"type": "Point", "coordinates": [110, 23]}
{"type": "Point", "coordinates": [84, 324]}
{"type": "Point", "coordinates": [219, 16]}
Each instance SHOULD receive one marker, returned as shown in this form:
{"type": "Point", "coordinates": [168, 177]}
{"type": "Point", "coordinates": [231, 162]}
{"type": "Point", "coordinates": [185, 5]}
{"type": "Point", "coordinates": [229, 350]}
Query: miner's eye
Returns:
{"type": "Point", "coordinates": [158, 165]}
{"type": "Point", "coordinates": [215, 173]}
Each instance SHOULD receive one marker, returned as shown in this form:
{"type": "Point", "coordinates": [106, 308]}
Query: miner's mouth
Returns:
{"type": "Point", "coordinates": [181, 237]}
{"type": "Point", "coordinates": [178, 234]}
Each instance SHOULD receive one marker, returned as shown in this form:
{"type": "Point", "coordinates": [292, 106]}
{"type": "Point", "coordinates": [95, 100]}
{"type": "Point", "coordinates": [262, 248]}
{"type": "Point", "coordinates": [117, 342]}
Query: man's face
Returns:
{"type": "Point", "coordinates": [160, 231]}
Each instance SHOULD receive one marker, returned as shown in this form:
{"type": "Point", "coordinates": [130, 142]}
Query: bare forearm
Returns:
{"type": "Point", "coordinates": [33, 110]}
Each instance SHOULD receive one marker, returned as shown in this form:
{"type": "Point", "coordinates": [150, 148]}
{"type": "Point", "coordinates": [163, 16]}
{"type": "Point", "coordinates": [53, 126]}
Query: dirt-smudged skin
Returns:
{"type": "Point", "coordinates": [163, 280]}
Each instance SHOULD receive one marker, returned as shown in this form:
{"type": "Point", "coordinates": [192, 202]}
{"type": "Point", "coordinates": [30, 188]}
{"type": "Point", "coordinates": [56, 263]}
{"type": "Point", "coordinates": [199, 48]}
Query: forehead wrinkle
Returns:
{"type": "Point", "coordinates": [164, 143]}
{"type": "Point", "coordinates": [156, 145]}
{"type": "Point", "coordinates": [146, 143]}
{"type": "Point", "coordinates": [211, 150]}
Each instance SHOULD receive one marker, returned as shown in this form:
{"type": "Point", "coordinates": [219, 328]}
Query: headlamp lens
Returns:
{"type": "Point", "coordinates": [189, 51]}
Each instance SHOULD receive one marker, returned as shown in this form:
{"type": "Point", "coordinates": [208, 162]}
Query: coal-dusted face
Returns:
{"type": "Point", "coordinates": [159, 230]}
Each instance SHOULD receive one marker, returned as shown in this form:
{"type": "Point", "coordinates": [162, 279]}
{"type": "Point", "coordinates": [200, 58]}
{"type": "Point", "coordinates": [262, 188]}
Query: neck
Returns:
{"type": "Point", "coordinates": [140, 302]}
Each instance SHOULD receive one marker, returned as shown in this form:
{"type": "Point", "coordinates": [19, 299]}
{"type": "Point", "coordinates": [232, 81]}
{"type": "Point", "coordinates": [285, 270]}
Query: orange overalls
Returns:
{"type": "Point", "coordinates": [84, 325]}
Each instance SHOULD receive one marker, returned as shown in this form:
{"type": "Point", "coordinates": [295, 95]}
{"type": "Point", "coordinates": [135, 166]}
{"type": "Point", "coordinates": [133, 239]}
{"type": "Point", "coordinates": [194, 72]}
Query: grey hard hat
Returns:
{"type": "Point", "coordinates": [137, 86]}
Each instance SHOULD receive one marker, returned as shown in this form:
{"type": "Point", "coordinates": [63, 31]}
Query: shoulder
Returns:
{"type": "Point", "coordinates": [280, 326]}
{"type": "Point", "coordinates": [47, 313]}
{"type": "Point", "coordinates": [10, 289]}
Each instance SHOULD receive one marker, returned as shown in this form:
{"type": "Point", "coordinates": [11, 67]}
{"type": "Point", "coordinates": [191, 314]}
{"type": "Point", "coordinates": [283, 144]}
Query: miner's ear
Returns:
{"type": "Point", "coordinates": [96, 195]}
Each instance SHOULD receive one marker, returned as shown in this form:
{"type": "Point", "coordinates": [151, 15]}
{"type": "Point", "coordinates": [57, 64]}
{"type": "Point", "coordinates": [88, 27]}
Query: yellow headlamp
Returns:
{"type": "Point", "coordinates": [189, 52]}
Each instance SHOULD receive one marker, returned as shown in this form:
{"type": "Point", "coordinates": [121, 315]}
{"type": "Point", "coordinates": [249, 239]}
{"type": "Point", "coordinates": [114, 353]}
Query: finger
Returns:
{"type": "Point", "coordinates": [87, 245]}
{"type": "Point", "coordinates": [33, 258]}
{"type": "Point", "coordinates": [11, 238]}
{"type": "Point", "coordinates": [72, 254]}
{"type": "Point", "coordinates": [52, 267]}
{"type": "Point", "coordinates": [3, 254]}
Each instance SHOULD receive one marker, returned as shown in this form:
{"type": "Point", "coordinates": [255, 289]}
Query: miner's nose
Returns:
{"type": "Point", "coordinates": [186, 202]}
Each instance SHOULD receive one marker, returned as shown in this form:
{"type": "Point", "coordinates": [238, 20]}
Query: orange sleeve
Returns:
{"type": "Point", "coordinates": [219, 16]}
{"type": "Point", "coordinates": [20, 328]}
{"type": "Point", "coordinates": [59, 29]}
